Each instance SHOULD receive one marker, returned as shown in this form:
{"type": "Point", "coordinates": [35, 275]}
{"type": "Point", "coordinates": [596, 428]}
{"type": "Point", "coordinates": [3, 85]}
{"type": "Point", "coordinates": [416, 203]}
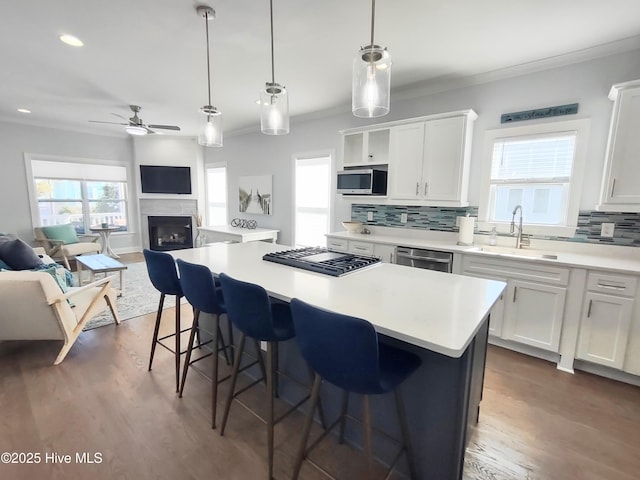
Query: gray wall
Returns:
{"type": "Point", "coordinates": [16, 140]}
{"type": "Point", "coordinates": [586, 83]}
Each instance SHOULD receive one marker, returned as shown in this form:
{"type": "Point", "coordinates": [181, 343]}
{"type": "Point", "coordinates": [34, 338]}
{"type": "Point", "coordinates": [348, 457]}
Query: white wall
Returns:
{"type": "Point", "coordinates": [586, 83]}
{"type": "Point", "coordinates": [16, 140]}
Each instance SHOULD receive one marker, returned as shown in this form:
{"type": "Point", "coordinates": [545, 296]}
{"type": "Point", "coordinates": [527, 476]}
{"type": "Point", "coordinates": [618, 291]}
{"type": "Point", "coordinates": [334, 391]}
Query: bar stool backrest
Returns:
{"type": "Point", "coordinates": [341, 349]}
{"type": "Point", "coordinates": [249, 308]}
{"type": "Point", "coordinates": [199, 289]}
{"type": "Point", "coordinates": [162, 272]}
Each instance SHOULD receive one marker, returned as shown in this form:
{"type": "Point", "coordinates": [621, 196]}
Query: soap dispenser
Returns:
{"type": "Point", "coordinates": [493, 236]}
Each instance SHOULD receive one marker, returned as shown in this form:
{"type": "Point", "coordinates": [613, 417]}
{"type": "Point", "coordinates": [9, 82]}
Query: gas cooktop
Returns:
{"type": "Point", "coordinates": [321, 260]}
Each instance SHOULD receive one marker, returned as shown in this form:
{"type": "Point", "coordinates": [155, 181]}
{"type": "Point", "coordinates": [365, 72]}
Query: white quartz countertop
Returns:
{"type": "Point", "coordinates": [620, 259]}
{"type": "Point", "coordinates": [437, 311]}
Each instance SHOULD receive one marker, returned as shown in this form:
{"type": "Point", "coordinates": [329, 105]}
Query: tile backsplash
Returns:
{"type": "Point", "coordinates": [443, 219]}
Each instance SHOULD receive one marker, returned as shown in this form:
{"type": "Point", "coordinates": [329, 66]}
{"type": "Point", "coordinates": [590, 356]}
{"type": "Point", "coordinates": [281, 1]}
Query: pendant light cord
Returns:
{"type": "Point", "coordinates": [373, 17]}
{"type": "Point", "coordinates": [273, 75]}
{"type": "Point", "coordinates": [206, 23]}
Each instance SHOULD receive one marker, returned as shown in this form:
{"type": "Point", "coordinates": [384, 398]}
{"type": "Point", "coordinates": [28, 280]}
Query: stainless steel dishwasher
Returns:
{"type": "Point", "coordinates": [428, 259]}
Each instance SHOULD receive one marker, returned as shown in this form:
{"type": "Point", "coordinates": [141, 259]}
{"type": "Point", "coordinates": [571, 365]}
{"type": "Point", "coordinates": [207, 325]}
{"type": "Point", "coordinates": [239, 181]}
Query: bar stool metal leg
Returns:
{"type": "Point", "coordinates": [343, 414]}
{"type": "Point", "coordinates": [214, 373]}
{"type": "Point", "coordinates": [187, 360]}
{"type": "Point", "coordinates": [177, 352]}
{"type": "Point", "coordinates": [156, 330]}
{"type": "Point", "coordinates": [366, 433]}
{"type": "Point", "coordinates": [234, 378]}
{"type": "Point", "coordinates": [315, 395]}
{"type": "Point", "coordinates": [271, 392]}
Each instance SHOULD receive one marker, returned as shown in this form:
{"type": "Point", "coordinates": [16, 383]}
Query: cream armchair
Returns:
{"type": "Point", "coordinates": [64, 243]}
{"type": "Point", "coordinates": [34, 308]}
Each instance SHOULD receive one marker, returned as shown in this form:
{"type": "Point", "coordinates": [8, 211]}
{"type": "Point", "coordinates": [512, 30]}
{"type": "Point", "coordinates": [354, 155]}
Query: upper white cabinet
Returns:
{"type": "Point", "coordinates": [620, 186]}
{"type": "Point", "coordinates": [369, 147]}
{"type": "Point", "coordinates": [430, 160]}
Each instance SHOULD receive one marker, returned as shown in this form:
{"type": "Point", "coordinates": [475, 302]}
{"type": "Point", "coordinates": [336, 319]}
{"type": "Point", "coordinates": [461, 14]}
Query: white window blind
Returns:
{"type": "Point", "coordinates": [537, 158]}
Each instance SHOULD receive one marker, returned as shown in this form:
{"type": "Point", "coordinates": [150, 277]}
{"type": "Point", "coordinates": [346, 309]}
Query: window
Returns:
{"type": "Point", "coordinates": [216, 195]}
{"type": "Point", "coordinates": [80, 194]}
{"type": "Point", "coordinates": [312, 200]}
{"type": "Point", "coordinates": [538, 167]}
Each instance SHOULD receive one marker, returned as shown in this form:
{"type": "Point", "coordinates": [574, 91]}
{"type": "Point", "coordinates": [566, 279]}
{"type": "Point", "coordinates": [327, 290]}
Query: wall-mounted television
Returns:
{"type": "Point", "coordinates": [163, 179]}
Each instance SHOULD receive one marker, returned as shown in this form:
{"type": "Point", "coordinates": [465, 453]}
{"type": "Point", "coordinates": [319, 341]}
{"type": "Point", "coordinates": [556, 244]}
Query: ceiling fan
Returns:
{"type": "Point", "coordinates": [134, 125]}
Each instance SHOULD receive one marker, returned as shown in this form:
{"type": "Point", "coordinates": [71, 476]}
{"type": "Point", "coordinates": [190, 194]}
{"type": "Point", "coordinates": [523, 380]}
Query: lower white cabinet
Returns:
{"type": "Point", "coordinates": [369, 249]}
{"type": "Point", "coordinates": [533, 314]}
{"type": "Point", "coordinates": [531, 310]}
{"type": "Point", "coordinates": [606, 319]}
{"type": "Point", "coordinates": [385, 252]}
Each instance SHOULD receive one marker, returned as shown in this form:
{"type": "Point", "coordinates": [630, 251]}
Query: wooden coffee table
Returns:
{"type": "Point", "coordinates": [100, 264]}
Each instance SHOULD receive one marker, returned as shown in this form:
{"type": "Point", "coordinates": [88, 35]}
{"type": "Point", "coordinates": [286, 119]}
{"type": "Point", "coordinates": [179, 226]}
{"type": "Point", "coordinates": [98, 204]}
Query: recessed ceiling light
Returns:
{"type": "Point", "coordinates": [24, 110]}
{"type": "Point", "coordinates": [71, 40]}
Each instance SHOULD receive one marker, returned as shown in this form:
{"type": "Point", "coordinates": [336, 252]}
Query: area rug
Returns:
{"type": "Point", "coordinates": [139, 298]}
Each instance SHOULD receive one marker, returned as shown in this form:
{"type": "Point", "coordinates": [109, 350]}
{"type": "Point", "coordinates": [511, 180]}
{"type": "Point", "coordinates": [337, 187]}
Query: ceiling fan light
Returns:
{"type": "Point", "coordinates": [71, 40]}
{"type": "Point", "coordinates": [135, 130]}
{"type": "Point", "coordinates": [370, 93]}
{"type": "Point", "coordinates": [274, 110]}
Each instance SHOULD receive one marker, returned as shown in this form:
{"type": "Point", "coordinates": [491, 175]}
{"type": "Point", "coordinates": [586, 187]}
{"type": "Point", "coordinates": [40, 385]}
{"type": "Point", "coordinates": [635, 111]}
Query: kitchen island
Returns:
{"type": "Point", "coordinates": [441, 317]}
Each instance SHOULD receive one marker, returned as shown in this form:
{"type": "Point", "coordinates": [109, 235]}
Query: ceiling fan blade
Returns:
{"type": "Point", "coordinates": [165, 127]}
{"type": "Point", "coordinates": [111, 123]}
{"type": "Point", "coordinates": [123, 118]}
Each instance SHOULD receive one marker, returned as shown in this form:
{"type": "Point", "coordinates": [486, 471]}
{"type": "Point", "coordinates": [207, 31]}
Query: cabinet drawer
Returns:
{"type": "Point", "coordinates": [361, 248]}
{"type": "Point", "coordinates": [613, 284]}
{"type": "Point", "coordinates": [490, 266]}
{"type": "Point", "coordinates": [337, 245]}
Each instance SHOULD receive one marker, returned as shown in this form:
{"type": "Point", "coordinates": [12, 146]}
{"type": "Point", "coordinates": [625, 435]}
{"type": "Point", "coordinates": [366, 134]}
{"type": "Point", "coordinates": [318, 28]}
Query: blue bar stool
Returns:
{"type": "Point", "coordinates": [164, 277]}
{"type": "Point", "coordinates": [345, 352]}
{"type": "Point", "coordinates": [199, 288]}
{"type": "Point", "coordinates": [257, 317]}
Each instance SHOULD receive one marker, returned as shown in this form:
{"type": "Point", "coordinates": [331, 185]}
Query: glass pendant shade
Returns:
{"type": "Point", "coordinates": [274, 110]}
{"type": "Point", "coordinates": [211, 129]}
{"type": "Point", "coordinates": [370, 94]}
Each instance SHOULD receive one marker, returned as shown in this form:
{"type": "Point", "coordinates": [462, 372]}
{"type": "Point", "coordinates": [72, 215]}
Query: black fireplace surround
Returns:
{"type": "Point", "coordinates": [170, 233]}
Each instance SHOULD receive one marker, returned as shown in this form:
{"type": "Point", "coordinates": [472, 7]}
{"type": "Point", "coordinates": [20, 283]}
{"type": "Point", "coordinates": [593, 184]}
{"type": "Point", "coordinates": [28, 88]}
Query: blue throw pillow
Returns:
{"type": "Point", "coordinates": [18, 255]}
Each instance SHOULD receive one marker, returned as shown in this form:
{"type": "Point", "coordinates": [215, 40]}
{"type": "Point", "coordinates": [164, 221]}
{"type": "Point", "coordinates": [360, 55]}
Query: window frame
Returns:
{"type": "Point", "coordinates": [319, 154]}
{"type": "Point", "coordinates": [208, 166]}
{"type": "Point", "coordinates": [581, 127]}
{"type": "Point", "coordinates": [85, 200]}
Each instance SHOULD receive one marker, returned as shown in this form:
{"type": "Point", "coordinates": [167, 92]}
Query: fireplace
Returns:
{"type": "Point", "coordinates": [170, 233]}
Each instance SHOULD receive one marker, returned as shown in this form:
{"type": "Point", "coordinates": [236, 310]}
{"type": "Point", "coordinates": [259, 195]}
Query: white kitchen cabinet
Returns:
{"type": "Point", "coordinates": [360, 248]}
{"type": "Point", "coordinates": [337, 244]}
{"type": "Point", "coordinates": [632, 354]}
{"type": "Point", "coordinates": [387, 253]}
{"type": "Point", "coordinates": [365, 148]}
{"type": "Point", "coordinates": [533, 314]}
{"type": "Point", "coordinates": [496, 316]}
{"type": "Point", "coordinates": [620, 190]}
{"type": "Point", "coordinates": [533, 305]}
{"type": "Point", "coordinates": [430, 160]}
{"type": "Point", "coordinates": [606, 318]}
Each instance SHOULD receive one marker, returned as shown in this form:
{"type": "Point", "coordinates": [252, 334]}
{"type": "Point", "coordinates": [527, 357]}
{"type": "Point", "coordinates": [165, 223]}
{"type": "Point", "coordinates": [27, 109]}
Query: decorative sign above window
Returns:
{"type": "Point", "coordinates": [571, 109]}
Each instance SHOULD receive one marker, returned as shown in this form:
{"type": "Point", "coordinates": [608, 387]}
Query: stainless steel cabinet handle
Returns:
{"type": "Point", "coordinates": [613, 186]}
{"type": "Point", "coordinates": [429, 259]}
{"type": "Point", "coordinates": [417, 188]}
{"type": "Point", "coordinates": [589, 309]}
{"type": "Point", "coordinates": [612, 286]}
{"type": "Point", "coordinates": [425, 187]}
{"type": "Point", "coordinates": [515, 290]}
{"type": "Point", "coordinates": [391, 257]}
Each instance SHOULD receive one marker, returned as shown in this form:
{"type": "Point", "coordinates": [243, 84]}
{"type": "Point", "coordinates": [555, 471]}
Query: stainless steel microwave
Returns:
{"type": "Point", "coordinates": [370, 181]}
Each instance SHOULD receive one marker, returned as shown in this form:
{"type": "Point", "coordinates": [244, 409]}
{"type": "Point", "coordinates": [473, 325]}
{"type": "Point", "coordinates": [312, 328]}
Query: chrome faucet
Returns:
{"type": "Point", "coordinates": [520, 241]}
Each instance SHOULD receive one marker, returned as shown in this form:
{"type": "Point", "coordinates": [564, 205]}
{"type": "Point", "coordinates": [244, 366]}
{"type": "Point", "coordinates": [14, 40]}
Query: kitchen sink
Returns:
{"type": "Point", "coordinates": [517, 252]}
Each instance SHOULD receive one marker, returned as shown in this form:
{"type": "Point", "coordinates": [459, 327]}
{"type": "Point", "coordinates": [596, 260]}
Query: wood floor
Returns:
{"type": "Point", "coordinates": [535, 422]}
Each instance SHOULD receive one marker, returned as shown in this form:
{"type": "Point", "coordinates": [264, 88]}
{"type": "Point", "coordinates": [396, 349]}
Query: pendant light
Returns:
{"type": "Point", "coordinates": [211, 131]}
{"type": "Point", "coordinates": [274, 102]}
{"type": "Point", "coordinates": [371, 78]}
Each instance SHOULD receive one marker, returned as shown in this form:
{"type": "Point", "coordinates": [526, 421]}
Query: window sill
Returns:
{"type": "Point", "coordinates": [530, 229]}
